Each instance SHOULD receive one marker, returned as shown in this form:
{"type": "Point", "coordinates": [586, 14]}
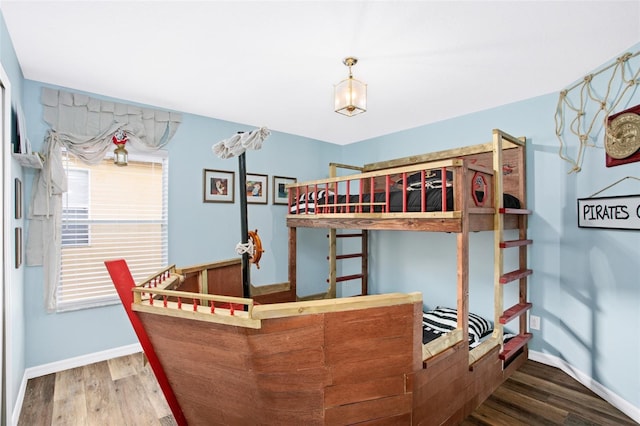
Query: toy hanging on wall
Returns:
{"type": "Point", "coordinates": [622, 140]}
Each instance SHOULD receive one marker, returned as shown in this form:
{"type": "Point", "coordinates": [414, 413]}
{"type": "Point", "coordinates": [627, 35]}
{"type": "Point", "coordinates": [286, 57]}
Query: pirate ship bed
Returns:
{"type": "Point", "coordinates": [266, 358]}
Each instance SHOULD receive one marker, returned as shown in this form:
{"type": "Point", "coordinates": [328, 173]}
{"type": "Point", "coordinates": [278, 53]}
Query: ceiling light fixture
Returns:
{"type": "Point", "coordinates": [350, 95]}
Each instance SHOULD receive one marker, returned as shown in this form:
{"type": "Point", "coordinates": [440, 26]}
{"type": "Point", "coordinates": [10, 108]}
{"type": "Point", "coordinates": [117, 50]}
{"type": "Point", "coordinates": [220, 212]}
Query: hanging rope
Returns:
{"type": "Point", "coordinates": [253, 248]}
{"type": "Point", "coordinates": [580, 126]}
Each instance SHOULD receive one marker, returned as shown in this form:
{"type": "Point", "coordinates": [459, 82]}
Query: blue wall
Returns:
{"type": "Point", "coordinates": [198, 232]}
{"type": "Point", "coordinates": [585, 284]}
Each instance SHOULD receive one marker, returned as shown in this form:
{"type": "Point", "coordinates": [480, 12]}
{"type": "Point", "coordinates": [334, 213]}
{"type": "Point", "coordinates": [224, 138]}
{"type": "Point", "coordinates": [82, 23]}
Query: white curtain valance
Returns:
{"type": "Point", "coordinates": [81, 115]}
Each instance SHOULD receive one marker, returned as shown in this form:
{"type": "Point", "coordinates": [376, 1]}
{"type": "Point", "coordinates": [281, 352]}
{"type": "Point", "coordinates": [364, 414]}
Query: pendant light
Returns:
{"type": "Point", "coordinates": [350, 95]}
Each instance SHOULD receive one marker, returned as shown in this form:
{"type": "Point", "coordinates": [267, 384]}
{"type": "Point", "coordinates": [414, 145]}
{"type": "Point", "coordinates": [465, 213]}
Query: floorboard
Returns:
{"type": "Point", "coordinates": [123, 391]}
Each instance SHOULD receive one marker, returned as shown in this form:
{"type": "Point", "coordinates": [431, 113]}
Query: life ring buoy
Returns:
{"type": "Point", "coordinates": [257, 248]}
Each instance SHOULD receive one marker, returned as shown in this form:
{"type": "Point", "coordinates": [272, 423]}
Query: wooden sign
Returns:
{"type": "Point", "coordinates": [622, 212]}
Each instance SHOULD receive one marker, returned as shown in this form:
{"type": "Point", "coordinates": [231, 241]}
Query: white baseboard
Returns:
{"type": "Point", "coordinates": [611, 397]}
{"type": "Point", "coordinates": [66, 364]}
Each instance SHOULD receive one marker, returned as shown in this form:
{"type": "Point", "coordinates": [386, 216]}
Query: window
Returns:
{"type": "Point", "coordinates": [75, 209]}
{"type": "Point", "coordinates": [111, 212]}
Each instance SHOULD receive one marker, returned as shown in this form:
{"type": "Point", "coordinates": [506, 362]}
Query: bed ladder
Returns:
{"type": "Point", "coordinates": [334, 257]}
{"type": "Point", "coordinates": [502, 278]}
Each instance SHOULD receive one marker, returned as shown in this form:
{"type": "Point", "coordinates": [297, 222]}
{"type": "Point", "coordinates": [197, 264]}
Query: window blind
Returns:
{"type": "Point", "coordinates": [111, 212]}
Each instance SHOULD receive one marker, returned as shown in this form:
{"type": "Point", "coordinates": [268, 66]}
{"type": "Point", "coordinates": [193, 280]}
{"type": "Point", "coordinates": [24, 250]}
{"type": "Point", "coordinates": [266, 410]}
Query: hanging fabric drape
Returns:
{"type": "Point", "coordinates": [240, 142]}
{"type": "Point", "coordinates": [84, 126]}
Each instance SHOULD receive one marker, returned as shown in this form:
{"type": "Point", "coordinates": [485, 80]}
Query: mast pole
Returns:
{"type": "Point", "coordinates": [244, 227]}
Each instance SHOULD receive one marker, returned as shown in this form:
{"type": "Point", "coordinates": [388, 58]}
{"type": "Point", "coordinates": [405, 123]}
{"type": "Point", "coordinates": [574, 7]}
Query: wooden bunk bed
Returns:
{"type": "Point", "coordinates": [272, 359]}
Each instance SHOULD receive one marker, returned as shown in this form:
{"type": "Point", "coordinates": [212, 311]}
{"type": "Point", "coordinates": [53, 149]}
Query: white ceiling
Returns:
{"type": "Point", "coordinates": [274, 63]}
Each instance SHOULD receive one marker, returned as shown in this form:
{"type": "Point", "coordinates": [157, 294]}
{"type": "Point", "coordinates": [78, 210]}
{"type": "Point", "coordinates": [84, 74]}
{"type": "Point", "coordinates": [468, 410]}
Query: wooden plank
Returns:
{"type": "Point", "coordinates": [531, 409]}
{"type": "Point", "coordinates": [37, 406]}
{"type": "Point", "coordinates": [482, 349]}
{"type": "Point", "coordinates": [441, 388]}
{"type": "Point", "coordinates": [123, 366]}
{"type": "Point", "coordinates": [409, 222]}
{"type": "Point", "coordinates": [513, 345]}
{"type": "Point", "coordinates": [493, 414]}
{"type": "Point", "coordinates": [269, 288]}
{"type": "Point", "coordinates": [282, 310]}
{"type": "Point", "coordinates": [431, 156]}
{"type": "Point", "coordinates": [69, 401]}
{"type": "Point", "coordinates": [514, 312]}
{"type": "Point", "coordinates": [211, 265]}
{"type": "Point", "coordinates": [362, 370]}
{"type": "Point", "coordinates": [575, 398]}
{"type": "Point", "coordinates": [514, 211]}
{"type": "Point", "coordinates": [515, 275]}
{"type": "Point", "coordinates": [377, 409]}
{"type": "Point", "coordinates": [349, 277]}
{"type": "Point", "coordinates": [345, 166]}
{"type": "Point", "coordinates": [102, 399]}
{"type": "Point", "coordinates": [350, 393]}
{"type": "Point", "coordinates": [515, 243]}
{"type": "Point", "coordinates": [441, 344]}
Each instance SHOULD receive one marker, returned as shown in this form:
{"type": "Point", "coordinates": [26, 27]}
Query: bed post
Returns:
{"type": "Point", "coordinates": [462, 238]}
{"type": "Point", "coordinates": [292, 261]}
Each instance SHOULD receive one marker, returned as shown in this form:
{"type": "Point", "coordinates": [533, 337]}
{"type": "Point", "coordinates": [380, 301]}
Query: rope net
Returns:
{"type": "Point", "coordinates": [592, 108]}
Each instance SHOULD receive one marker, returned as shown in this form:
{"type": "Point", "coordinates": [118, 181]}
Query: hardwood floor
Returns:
{"type": "Point", "coordinates": [538, 394]}
{"type": "Point", "coordinates": [123, 391]}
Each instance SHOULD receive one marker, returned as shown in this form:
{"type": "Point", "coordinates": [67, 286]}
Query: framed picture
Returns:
{"type": "Point", "coordinates": [218, 186]}
{"type": "Point", "coordinates": [256, 189]}
{"type": "Point", "coordinates": [280, 193]}
{"type": "Point", "coordinates": [18, 198]}
{"type": "Point", "coordinates": [18, 247]}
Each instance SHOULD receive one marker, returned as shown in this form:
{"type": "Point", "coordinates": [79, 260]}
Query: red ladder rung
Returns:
{"type": "Point", "coordinates": [347, 256]}
{"type": "Point", "coordinates": [514, 345]}
{"type": "Point", "coordinates": [515, 275]}
{"type": "Point", "coordinates": [515, 243]}
{"type": "Point", "coordinates": [514, 312]}
{"type": "Point", "coordinates": [504, 210]}
{"type": "Point", "coordinates": [348, 278]}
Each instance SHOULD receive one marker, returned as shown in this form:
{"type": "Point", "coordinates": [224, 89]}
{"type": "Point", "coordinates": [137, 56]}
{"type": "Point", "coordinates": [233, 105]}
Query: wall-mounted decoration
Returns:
{"type": "Point", "coordinates": [218, 186]}
{"type": "Point", "coordinates": [620, 212]}
{"type": "Point", "coordinates": [17, 194]}
{"type": "Point", "coordinates": [622, 138]}
{"type": "Point", "coordinates": [280, 192]}
{"type": "Point", "coordinates": [18, 247]}
{"type": "Point", "coordinates": [583, 109]}
{"type": "Point", "coordinates": [256, 188]}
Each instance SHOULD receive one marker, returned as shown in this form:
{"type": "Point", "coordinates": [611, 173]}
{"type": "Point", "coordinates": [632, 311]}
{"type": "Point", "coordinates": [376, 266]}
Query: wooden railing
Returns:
{"type": "Point", "coordinates": [359, 189]}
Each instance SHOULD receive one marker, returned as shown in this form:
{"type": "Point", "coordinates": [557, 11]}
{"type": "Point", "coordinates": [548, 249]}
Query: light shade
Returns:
{"type": "Point", "coordinates": [120, 155]}
{"type": "Point", "coordinates": [350, 95]}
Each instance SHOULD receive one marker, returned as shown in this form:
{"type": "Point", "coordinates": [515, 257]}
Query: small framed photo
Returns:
{"type": "Point", "coordinates": [18, 198]}
{"type": "Point", "coordinates": [280, 193]}
{"type": "Point", "coordinates": [218, 186]}
{"type": "Point", "coordinates": [256, 188]}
